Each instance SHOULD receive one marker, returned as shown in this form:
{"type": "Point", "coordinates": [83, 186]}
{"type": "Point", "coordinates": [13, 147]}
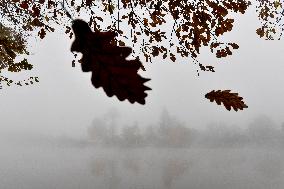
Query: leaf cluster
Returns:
{"type": "Point", "coordinates": [12, 44]}
{"type": "Point", "coordinates": [196, 24]}
{"type": "Point", "coordinates": [270, 14]}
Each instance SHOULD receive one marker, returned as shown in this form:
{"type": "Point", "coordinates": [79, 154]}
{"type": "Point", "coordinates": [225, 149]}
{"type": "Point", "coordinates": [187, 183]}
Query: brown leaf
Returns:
{"type": "Point", "coordinates": [36, 11]}
{"type": "Point", "coordinates": [99, 18]}
{"type": "Point", "coordinates": [234, 45]}
{"type": "Point", "coordinates": [260, 32]}
{"type": "Point", "coordinates": [121, 43]}
{"type": "Point", "coordinates": [24, 5]}
{"type": "Point", "coordinates": [172, 57]}
{"type": "Point", "coordinates": [228, 99]}
{"type": "Point", "coordinates": [155, 51]}
{"type": "Point", "coordinates": [42, 33]}
{"type": "Point", "coordinates": [110, 69]}
{"type": "Point", "coordinates": [37, 23]}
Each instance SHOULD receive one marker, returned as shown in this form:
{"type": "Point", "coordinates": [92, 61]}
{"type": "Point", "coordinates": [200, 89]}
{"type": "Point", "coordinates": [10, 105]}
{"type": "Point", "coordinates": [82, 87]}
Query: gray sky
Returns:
{"type": "Point", "coordinates": [65, 102]}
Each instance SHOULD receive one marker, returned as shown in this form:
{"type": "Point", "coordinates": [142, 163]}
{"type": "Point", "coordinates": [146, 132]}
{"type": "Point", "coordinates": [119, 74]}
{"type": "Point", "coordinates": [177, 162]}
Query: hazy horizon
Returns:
{"type": "Point", "coordinates": [47, 141]}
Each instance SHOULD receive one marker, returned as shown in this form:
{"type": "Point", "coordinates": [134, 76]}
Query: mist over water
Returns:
{"type": "Point", "coordinates": [166, 155]}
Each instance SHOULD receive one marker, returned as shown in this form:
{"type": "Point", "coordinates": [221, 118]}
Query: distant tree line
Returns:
{"type": "Point", "coordinates": [170, 132]}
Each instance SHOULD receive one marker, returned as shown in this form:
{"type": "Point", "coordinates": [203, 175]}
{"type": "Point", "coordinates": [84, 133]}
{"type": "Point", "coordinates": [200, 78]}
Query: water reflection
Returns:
{"type": "Point", "coordinates": [132, 165]}
{"type": "Point", "coordinates": [44, 164]}
{"type": "Point", "coordinates": [269, 168]}
{"type": "Point", "coordinates": [172, 170]}
{"type": "Point", "coordinates": [107, 169]}
{"type": "Point", "coordinates": [139, 170]}
{"type": "Point", "coordinates": [169, 168]}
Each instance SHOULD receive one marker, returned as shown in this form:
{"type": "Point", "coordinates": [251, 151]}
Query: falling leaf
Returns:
{"type": "Point", "coordinates": [228, 99]}
{"type": "Point", "coordinates": [108, 64]}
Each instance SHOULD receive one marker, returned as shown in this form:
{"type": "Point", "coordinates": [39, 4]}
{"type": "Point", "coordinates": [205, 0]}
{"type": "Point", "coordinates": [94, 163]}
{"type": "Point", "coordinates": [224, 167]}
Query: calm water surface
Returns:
{"type": "Point", "coordinates": [60, 166]}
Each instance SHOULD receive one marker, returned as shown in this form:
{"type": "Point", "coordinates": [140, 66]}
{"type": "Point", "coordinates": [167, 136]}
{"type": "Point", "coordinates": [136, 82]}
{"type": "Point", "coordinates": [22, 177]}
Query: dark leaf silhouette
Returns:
{"type": "Point", "coordinates": [228, 99]}
{"type": "Point", "coordinates": [110, 70]}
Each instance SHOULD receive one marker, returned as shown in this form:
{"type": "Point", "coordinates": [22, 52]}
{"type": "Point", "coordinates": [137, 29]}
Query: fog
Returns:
{"type": "Point", "coordinates": [166, 154]}
{"type": "Point", "coordinates": [61, 133]}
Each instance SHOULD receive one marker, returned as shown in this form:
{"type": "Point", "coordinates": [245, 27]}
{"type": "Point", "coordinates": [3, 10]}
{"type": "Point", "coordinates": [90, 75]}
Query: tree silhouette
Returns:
{"type": "Point", "coordinates": [195, 24]}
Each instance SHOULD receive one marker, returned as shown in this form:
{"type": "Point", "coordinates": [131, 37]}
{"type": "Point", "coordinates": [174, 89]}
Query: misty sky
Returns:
{"type": "Point", "coordinates": [65, 102]}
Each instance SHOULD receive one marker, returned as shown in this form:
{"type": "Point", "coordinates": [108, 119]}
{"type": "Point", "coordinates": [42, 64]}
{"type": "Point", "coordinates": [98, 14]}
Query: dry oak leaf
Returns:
{"type": "Point", "coordinates": [108, 64]}
{"type": "Point", "coordinates": [228, 99]}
